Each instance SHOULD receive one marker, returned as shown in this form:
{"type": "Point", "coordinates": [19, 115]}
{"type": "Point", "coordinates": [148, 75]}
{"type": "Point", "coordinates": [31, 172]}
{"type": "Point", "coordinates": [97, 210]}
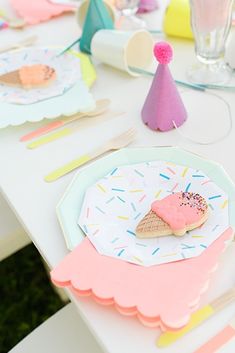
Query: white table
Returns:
{"type": "Point", "coordinates": [34, 201]}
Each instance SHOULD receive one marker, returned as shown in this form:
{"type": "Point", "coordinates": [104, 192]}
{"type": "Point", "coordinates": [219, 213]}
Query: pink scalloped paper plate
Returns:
{"type": "Point", "coordinates": [36, 11]}
{"type": "Point", "coordinates": [161, 295]}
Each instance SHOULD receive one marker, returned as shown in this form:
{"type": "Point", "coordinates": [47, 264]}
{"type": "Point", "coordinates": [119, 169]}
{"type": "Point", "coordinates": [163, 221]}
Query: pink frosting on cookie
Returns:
{"type": "Point", "coordinates": [36, 74]}
{"type": "Point", "coordinates": [180, 209]}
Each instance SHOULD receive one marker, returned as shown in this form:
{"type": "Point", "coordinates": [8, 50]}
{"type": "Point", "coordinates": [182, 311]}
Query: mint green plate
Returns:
{"type": "Point", "coordinates": [71, 202]}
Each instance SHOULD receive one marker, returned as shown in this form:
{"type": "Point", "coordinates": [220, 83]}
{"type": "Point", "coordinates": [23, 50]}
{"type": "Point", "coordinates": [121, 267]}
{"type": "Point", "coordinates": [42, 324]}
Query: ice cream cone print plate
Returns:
{"type": "Point", "coordinates": [115, 204]}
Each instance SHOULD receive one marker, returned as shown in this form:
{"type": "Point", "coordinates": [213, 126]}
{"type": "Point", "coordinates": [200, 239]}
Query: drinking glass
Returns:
{"type": "Point", "coordinates": [211, 22]}
{"type": "Point", "coordinates": [128, 19]}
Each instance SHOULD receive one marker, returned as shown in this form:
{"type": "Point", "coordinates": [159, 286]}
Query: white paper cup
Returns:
{"type": "Point", "coordinates": [122, 49]}
{"type": "Point", "coordinates": [82, 11]}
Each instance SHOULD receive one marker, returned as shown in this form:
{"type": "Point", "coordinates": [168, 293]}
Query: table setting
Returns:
{"type": "Point", "coordinates": [117, 137]}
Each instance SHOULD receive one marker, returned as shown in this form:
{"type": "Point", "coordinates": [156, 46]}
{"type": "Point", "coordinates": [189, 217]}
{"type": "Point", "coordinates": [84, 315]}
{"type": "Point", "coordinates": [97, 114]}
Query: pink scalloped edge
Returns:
{"type": "Point", "coordinates": [162, 295]}
{"type": "Point", "coordinates": [36, 11]}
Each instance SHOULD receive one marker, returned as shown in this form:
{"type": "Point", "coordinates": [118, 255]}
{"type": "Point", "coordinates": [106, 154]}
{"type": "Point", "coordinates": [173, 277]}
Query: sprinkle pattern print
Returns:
{"type": "Point", "coordinates": [116, 205]}
{"type": "Point", "coordinates": [67, 69]}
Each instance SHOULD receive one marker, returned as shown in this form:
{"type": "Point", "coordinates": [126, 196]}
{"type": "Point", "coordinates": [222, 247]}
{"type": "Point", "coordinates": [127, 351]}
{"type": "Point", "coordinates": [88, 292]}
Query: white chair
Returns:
{"type": "Point", "coordinates": [12, 235]}
{"type": "Point", "coordinates": [64, 332]}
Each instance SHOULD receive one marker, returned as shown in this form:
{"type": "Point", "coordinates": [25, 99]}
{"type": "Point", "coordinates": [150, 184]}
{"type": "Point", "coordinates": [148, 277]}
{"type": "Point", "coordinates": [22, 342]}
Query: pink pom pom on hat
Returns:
{"type": "Point", "coordinates": [163, 52]}
{"type": "Point", "coordinates": [163, 106]}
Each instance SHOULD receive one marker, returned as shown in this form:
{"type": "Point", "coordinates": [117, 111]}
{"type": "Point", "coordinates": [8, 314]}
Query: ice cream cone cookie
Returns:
{"type": "Point", "coordinates": [28, 77]}
{"type": "Point", "coordinates": [182, 212]}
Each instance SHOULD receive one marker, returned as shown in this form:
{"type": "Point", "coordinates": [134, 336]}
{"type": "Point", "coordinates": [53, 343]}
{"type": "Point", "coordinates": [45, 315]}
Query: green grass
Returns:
{"type": "Point", "coordinates": [26, 296]}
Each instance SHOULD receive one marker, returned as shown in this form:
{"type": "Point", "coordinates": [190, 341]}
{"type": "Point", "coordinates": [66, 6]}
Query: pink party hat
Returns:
{"type": "Point", "coordinates": [163, 108]}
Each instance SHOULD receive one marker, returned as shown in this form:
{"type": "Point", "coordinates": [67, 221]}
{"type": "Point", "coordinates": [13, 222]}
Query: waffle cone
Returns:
{"type": "Point", "coordinates": [11, 78]}
{"type": "Point", "coordinates": [152, 226]}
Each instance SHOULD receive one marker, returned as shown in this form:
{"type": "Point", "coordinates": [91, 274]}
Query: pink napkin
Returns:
{"type": "Point", "coordinates": [36, 11]}
{"type": "Point", "coordinates": [161, 295]}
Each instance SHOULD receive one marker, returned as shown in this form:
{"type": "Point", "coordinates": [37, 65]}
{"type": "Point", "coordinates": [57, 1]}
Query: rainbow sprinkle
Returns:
{"type": "Point", "coordinates": [110, 200]}
{"type": "Point", "coordinates": [214, 197]}
{"type": "Point", "coordinates": [205, 182]}
{"type": "Point", "coordinates": [164, 176]}
{"type": "Point", "coordinates": [203, 246]}
{"type": "Point", "coordinates": [171, 254]}
{"type": "Point", "coordinates": [120, 253]}
{"type": "Point", "coordinates": [133, 206]}
{"type": "Point", "coordinates": [130, 232]}
{"type": "Point", "coordinates": [113, 171]}
{"type": "Point", "coordinates": [171, 170]}
{"type": "Point", "coordinates": [99, 209]}
{"type": "Point", "coordinates": [187, 247]}
{"type": "Point", "coordinates": [119, 198]}
{"type": "Point", "coordinates": [184, 172]}
{"type": "Point", "coordinates": [138, 259]}
{"type": "Point", "coordinates": [139, 173]}
{"type": "Point", "coordinates": [158, 194]}
{"type": "Point", "coordinates": [156, 250]}
{"type": "Point", "coordinates": [139, 244]}
{"type": "Point", "coordinates": [114, 240]}
{"type": "Point", "coordinates": [119, 190]}
{"type": "Point", "coordinates": [123, 217]}
{"type": "Point", "coordinates": [142, 198]}
{"type": "Point", "coordinates": [174, 187]}
{"type": "Point", "coordinates": [101, 187]}
{"type": "Point", "coordinates": [137, 216]}
{"type": "Point", "coordinates": [224, 204]}
{"type": "Point", "coordinates": [187, 188]}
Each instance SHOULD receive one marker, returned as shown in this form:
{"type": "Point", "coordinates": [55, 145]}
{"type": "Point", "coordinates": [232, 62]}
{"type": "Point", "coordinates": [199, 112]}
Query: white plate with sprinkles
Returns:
{"type": "Point", "coordinates": [67, 95]}
{"type": "Point", "coordinates": [67, 68]}
{"type": "Point", "coordinates": [114, 205]}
